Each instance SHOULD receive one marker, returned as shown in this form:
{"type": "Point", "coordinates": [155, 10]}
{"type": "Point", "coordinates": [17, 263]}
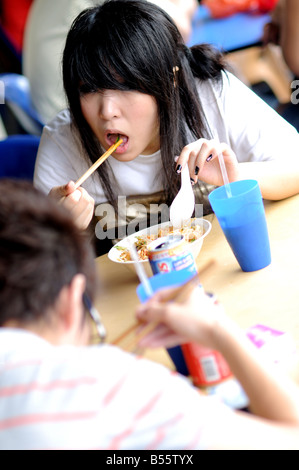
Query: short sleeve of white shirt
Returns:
{"type": "Point", "coordinates": [237, 116]}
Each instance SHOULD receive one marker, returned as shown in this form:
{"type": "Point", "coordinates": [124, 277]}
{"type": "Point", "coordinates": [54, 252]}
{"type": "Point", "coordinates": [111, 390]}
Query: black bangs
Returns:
{"type": "Point", "coordinates": [134, 45]}
{"type": "Point", "coordinates": [115, 50]}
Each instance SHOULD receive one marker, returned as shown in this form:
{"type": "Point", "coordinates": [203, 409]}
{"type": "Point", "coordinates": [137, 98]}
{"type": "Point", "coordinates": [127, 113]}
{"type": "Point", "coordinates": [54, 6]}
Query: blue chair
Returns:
{"type": "Point", "coordinates": [15, 93]}
{"type": "Point", "coordinates": [17, 156]}
{"type": "Point", "coordinates": [228, 34]}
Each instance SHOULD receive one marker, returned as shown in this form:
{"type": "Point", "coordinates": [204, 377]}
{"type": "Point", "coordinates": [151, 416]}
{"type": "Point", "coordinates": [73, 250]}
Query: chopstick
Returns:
{"type": "Point", "coordinates": [96, 165]}
{"type": "Point", "coordinates": [179, 295]}
{"type": "Point", "coordinates": [140, 271]}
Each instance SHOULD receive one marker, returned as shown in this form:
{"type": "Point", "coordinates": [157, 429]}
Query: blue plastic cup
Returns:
{"type": "Point", "coordinates": [162, 281]}
{"type": "Point", "coordinates": [242, 219]}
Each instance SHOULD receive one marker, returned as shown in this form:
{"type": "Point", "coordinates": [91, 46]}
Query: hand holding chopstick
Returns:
{"type": "Point", "coordinates": [178, 295]}
{"type": "Point", "coordinates": [61, 193]}
{"type": "Point", "coordinates": [96, 165]}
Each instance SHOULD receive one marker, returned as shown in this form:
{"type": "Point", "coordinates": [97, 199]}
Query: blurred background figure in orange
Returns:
{"type": "Point", "coordinates": [222, 8]}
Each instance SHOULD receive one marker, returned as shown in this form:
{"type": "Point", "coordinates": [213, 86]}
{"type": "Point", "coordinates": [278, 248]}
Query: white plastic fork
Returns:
{"type": "Point", "coordinates": [182, 206]}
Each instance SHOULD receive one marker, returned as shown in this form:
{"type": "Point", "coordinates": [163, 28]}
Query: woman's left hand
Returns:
{"type": "Point", "coordinates": [202, 159]}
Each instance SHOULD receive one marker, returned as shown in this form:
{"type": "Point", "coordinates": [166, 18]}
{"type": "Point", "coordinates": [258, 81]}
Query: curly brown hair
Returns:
{"type": "Point", "coordinates": [41, 250]}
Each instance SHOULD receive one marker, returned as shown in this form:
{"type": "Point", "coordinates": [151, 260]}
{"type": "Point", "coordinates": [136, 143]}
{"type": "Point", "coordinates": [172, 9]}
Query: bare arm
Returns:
{"type": "Point", "coordinates": [272, 395]}
{"type": "Point", "coordinates": [274, 398]}
{"type": "Point", "coordinates": [276, 181]}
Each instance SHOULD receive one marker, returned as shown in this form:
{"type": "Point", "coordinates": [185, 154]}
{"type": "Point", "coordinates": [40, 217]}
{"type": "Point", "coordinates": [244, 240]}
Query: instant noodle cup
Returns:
{"type": "Point", "coordinates": [119, 253]}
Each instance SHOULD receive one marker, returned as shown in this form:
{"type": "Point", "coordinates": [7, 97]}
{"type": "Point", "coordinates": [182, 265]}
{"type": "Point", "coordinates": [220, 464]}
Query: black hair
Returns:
{"type": "Point", "coordinates": [135, 45]}
{"type": "Point", "coordinates": [41, 250]}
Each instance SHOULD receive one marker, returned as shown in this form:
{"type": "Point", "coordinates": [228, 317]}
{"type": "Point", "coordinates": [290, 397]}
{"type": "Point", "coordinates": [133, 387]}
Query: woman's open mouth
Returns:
{"type": "Point", "coordinates": [111, 138]}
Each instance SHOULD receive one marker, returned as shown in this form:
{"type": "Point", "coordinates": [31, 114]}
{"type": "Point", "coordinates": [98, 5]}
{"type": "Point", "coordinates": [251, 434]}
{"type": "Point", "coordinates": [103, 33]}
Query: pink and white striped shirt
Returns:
{"type": "Point", "coordinates": [66, 397]}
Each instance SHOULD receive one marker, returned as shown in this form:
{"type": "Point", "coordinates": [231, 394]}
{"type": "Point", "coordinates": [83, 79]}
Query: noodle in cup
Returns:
{"type": "Point", "coordinates": [119, 253]}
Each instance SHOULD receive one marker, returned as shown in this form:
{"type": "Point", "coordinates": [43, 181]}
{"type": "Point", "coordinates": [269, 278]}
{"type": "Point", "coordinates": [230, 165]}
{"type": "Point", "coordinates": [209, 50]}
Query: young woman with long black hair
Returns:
{"type": "Point", "coordinates": [127, 72]}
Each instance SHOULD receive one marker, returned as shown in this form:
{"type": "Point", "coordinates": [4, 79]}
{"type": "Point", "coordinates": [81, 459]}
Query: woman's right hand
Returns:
{"type": "Point", "coordinates": [77, 201]}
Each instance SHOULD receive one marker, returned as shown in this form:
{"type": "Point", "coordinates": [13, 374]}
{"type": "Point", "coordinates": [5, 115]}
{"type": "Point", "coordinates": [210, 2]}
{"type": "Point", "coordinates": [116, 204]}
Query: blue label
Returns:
{"type": "Point", "coordinates": [177, 263]}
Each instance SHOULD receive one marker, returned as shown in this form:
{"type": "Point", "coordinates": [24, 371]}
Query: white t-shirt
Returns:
{"type": "Point", "coordinates": [66, 397]}
{"type": "Point", "coordinates": [234, 113]}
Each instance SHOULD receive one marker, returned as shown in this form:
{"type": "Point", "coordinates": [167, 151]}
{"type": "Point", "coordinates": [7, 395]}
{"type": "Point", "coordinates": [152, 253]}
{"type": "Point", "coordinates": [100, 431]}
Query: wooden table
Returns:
{"type": "Point", "coordinates": [269, 296]}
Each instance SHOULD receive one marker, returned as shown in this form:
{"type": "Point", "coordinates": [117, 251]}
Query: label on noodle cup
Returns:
{"type": "Point", "coordinates": [206, 366]}
{"type": "Point", "coordinates": [171, 253]}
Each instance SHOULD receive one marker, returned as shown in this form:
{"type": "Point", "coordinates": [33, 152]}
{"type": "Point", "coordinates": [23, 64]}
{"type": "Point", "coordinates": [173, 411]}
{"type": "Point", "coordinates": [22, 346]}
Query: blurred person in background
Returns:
{"type": "Point", "coordinates": [283, 30]}
{"type": "Point", "coordinates": [182, 12]}
{"type": "Point", "coordinates": [45, 33]}
{"type": "Point", "coordinates": [13, 17]}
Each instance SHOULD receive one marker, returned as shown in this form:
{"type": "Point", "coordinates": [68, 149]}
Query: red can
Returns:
{"type": "Point", "coordinates": [206, 366]}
